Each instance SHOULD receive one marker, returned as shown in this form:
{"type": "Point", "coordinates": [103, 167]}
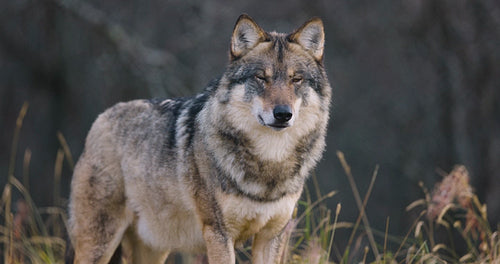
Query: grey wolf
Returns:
{"type": "Point", "coordinates": [206, 173]}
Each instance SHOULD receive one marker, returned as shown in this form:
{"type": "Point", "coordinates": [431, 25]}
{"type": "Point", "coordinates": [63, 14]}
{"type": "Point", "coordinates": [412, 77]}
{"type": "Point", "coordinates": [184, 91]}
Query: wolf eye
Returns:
{"type": "Point", "coordinates": [297, 79]}
{"type": "Point", "coordinates": [260, 77]}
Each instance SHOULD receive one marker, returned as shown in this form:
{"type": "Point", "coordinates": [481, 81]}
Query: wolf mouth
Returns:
{"type": "Point", "coordinates": [278, 127]}
{"type": "Point", "coordinates": [274, 126]}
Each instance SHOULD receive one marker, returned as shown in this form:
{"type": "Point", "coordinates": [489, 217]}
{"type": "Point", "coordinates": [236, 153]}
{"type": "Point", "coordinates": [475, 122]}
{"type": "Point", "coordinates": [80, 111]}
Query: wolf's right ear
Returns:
{"type": "Point", "coordinates": [246, 35]}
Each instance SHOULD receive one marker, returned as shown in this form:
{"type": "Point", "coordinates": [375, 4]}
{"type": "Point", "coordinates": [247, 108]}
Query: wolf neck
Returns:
{"type": "Point", "coordinates": [261, 164]}
{"type": "Point", "coordinates": [274, 146]}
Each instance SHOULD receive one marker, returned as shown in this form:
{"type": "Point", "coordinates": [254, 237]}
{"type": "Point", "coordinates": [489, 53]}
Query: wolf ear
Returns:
{"type": "Point", "coordinates": [246, 35]}
{"type": "Point", "coordinates": [311, 37]}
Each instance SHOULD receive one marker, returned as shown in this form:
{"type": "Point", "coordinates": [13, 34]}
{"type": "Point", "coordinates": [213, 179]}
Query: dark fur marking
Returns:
{"type": "Point", "coordinates": [197, 105]}
{"type": "Point", "coordinates": [313, 80]}
{"type": "Point", "coordinates": [174, 108]}
{"type": "Point", "coordinates": [246, 74]}
{"type": "Point", "coordinates": [229, 186]}
{"type": "Point", "coordinates": [211, 214]}
{"type": "Point", "coordinates": [237, 138]}
{"type": "Point", "coordinates": [212, 86]}
{"type": "Point", "coordinates": [93, 182]}
{"type": "Point", "coordinates": [240, 73]}
{"type": "Point", "coordinates": [280, 45]}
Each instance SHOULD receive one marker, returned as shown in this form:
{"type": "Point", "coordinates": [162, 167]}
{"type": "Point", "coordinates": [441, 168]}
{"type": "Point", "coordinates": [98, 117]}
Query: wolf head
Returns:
{"type": "Point", "coordinates": [271, 76]}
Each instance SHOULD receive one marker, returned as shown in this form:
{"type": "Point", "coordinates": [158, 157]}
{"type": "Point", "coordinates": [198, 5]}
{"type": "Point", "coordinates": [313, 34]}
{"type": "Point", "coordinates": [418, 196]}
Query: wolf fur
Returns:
{"type": "Point", "coordinates": [203, 174]}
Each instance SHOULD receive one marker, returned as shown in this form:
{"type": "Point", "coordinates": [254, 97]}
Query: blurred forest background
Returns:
{"type": "Point", "coordinates": [416, 83]}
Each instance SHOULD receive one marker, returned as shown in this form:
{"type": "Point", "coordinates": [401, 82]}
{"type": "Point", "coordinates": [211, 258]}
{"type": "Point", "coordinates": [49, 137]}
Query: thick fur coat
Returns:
{"type": "Point", "coordinates": [203, 174]}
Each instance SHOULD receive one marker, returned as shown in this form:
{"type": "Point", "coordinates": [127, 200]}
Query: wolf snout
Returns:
{"type": "Point", "coordinates": [282, 113]}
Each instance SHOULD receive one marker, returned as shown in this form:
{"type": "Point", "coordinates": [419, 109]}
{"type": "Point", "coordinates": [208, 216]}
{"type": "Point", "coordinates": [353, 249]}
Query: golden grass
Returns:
{"type": "Point", "coordinates": [30, 234]}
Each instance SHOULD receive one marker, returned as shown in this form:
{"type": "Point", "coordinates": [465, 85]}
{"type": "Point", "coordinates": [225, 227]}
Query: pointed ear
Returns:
{"type": "Point", "coordinates": [311, 37]}
{"type": "Point", "coordinates": [246, 35]}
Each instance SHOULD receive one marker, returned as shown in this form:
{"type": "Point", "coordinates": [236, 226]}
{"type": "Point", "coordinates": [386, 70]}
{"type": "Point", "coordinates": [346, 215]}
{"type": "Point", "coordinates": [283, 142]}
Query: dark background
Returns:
{"type": "Point", "coordinates": [416, 84]}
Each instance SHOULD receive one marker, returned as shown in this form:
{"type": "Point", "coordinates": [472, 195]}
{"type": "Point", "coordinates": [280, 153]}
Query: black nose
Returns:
{"type": "Point", "coordinates": [282, 113]}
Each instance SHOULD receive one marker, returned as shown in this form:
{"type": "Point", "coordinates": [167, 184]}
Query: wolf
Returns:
{"type": "Point", "coordinates": [206, 173]}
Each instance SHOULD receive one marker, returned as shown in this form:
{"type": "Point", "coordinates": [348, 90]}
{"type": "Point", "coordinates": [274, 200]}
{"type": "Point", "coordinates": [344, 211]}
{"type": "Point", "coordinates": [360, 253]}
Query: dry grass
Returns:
{"type": "Point", "coordinates": [30, 234]}
{"type": "Point", "coordinates": [37, 235]}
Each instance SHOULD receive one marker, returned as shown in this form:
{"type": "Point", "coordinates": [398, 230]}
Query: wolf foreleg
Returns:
{"type": "Point", "coordinates": [220, 248]}
{"type": "Point", "coordinates": [267, 250]}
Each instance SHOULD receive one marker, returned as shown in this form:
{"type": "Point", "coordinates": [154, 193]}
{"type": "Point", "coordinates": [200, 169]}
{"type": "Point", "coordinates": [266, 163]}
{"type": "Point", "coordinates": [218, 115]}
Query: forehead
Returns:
{"type": "Point", "coordinates": [279, 54]}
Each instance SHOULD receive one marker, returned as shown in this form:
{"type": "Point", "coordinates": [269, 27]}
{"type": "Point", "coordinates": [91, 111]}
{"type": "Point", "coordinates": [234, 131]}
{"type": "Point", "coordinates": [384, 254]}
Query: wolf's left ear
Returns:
{"type": "Point", "coordinates": [246, 35]}
{"type": "Point", "coordinates": [311, 37]}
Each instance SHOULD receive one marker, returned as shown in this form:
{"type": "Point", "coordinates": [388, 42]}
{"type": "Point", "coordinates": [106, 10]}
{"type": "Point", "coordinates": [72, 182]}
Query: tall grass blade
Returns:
{"type": "Point", "coordinates": [361, 205]}
{"type": "Point", "coordinates": [330, 244]}
{"type": "Point", "coordinates": [67, 152]}
{"type": "Point", "coordinates": [8, 194]}
{"type": "Point", "coordinates": [26, 168]}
